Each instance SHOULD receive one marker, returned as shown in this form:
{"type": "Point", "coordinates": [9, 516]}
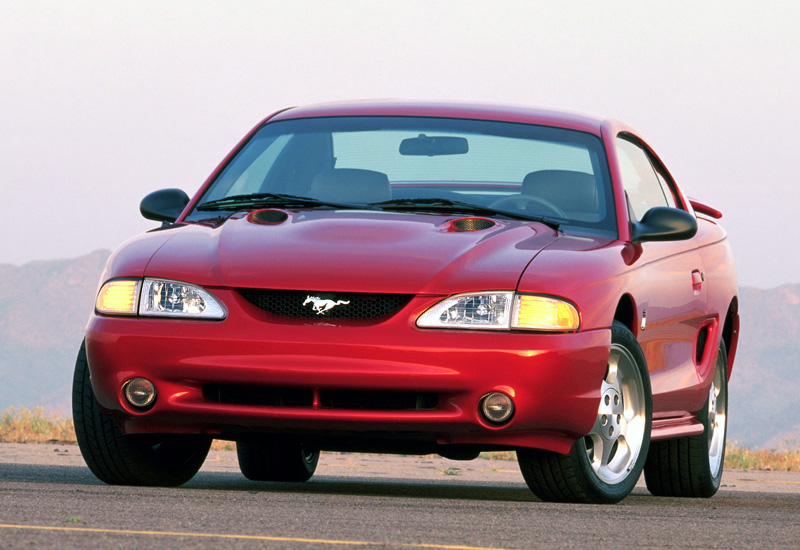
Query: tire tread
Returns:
{"type": "Point", "coordinates": [116, 458]}
{"type": "Point", "coordinates": [567, 478]}
{"type": "Point", "coordinates": [679, 467]}
{"type": "Point", "coordinates": [274, 460]}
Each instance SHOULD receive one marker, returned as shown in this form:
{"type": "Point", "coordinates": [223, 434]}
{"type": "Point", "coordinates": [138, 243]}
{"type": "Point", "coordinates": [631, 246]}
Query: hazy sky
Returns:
{"type": "Point", "coordinates": [103, 102]}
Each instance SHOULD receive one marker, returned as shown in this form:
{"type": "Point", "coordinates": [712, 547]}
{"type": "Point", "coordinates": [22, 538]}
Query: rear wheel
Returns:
{"type": "Point", "coordinates": [603, 466]}
{"type": "Point", "coordinates": [276, 460]}
{"type": "Point", "coordinates": [117, 459]}
{"type": "Point", "coordinates": [692, 466]}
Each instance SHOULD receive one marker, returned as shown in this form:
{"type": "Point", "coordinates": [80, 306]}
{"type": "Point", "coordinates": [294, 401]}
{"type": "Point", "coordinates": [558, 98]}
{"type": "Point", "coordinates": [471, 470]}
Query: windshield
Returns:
{"type": "Point", "coordinates": [404, 163]}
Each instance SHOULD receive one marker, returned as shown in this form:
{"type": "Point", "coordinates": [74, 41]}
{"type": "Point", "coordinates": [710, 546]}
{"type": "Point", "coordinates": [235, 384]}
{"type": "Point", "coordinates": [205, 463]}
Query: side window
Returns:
{"type": "Point", "coordinates": [639, 179]}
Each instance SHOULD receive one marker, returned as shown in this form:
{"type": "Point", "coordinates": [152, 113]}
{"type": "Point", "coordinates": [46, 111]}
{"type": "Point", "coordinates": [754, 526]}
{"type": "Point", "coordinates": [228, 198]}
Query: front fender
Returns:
{"type": "Point", "coordinates": [590, 272]}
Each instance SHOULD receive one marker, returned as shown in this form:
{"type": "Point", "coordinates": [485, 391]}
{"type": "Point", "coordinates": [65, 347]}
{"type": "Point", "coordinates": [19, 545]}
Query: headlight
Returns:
{"type": "Point", "coordinates": [502, 311]}
{"type": "Point", "coordinates": [118, 297]}
{"type": "Point", "coordinates": [174, 299]}
{"type": "Point", "coordinates": [475, 310]}
{"type": "Point", "coordinates": [159, 298]}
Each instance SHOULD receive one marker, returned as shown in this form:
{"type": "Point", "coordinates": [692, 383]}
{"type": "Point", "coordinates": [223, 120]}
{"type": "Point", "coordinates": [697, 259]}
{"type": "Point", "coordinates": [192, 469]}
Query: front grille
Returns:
{"type": "Point", "coordinates": [377, 401]}
{"type": "Point", "coordinates": [265, 396]}
{"type": "Point", "coordinates": [325, 305]}
{"type": "Point", "coordinates": [230, 394]}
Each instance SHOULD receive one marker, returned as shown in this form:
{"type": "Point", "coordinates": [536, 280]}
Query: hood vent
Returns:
{"type": "Point", "coordinates": [267, 217]}
{"type": "Point", "coordinates": [471, 224]}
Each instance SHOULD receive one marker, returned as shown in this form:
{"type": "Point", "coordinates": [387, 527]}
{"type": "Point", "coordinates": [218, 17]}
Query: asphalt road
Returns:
{"type": "Point", "coordinates": [49, 499]}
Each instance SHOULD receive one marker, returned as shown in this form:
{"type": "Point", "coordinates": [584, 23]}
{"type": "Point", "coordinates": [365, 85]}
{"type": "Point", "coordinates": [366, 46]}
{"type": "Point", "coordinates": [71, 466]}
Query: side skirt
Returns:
{"type": "Point", "coordinates": [669, 428]}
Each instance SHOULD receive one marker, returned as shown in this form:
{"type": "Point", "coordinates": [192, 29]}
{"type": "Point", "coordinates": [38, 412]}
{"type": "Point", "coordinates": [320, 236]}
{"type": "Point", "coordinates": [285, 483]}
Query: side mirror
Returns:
{"type": "Point", "coordinates": [661, 223]}
{"type": "Point", "coordinates": [164, 205]}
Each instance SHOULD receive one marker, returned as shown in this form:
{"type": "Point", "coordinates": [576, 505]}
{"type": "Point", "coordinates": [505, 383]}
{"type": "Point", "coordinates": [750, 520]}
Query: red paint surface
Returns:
{"type": "Point", "coordinates": [555, 378]}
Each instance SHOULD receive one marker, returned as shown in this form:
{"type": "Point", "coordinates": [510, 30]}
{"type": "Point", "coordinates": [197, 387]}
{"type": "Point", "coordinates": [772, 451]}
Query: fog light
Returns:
{"type": "Point", "coordinates": [497, 407]}
{"type": "Point", "coordinates": [140, 392]}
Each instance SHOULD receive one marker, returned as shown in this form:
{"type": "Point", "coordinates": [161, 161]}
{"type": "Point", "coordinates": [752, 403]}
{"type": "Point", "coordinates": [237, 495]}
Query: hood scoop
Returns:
{"type": "Point", "coordinates": [270, 216]}
{"type": "Point", "coordinates": [470, 224]}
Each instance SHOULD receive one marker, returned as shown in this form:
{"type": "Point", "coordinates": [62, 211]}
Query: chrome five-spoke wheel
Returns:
{"type": "Point", "coordinates": [603, 466]}
{"type": "Point", "coordinates": [615, 442]}
{"type": "Point", "coordinates": [717, 421]}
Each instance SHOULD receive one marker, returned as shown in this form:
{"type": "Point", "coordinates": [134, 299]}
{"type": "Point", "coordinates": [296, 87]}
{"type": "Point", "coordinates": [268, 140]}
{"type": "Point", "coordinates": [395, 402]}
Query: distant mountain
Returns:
{"type": "Point", "coordinates": [44, 307]}
{"type": "Point", "coordinates": [764, 398]}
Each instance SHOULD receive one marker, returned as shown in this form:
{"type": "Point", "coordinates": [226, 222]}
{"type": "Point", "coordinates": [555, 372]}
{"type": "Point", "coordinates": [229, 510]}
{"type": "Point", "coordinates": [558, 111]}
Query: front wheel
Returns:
{"type": "Point", "coordinates": [117, 459]}
{"type": "Point", "coordinates": [604, 466]}
{"type": "Point", "coordinates": [692, 466]}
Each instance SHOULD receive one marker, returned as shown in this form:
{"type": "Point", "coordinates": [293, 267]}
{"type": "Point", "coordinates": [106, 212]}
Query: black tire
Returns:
{"type": "Point", "coordinates": [117, 459]}
{"type": "Point", "coordinates": [602, 467]}
{"type": "Point", "coordinates": [276, 460]}
{"type": "Point", "coordinates": [692, 466]}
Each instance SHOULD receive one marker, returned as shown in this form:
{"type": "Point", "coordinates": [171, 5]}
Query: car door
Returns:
{"type": "Point", "coordinates": [670, 292]}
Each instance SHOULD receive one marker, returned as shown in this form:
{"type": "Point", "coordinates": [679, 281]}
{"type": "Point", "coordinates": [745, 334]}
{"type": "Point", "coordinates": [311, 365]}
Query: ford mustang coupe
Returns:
{"type": "Point", "coordinates": [420, 278]}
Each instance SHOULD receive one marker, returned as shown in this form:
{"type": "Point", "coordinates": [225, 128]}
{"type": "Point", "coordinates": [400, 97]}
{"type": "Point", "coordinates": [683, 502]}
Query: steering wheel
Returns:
{"type": "Point", "coordinates": [527, 203]}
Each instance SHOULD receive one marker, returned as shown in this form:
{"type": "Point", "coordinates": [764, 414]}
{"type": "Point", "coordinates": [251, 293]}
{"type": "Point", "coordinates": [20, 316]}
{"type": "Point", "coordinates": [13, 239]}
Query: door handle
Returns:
{"type": "Point", "coordinates": [697, 280]}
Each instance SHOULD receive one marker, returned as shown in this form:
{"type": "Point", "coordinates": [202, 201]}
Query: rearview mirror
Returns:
{"type": "Point", "coordinates": [164, 205]}
{"type": "Point", "coordinates": [661, 223]}
{"type": "Point", "coordinates": [431, 146]}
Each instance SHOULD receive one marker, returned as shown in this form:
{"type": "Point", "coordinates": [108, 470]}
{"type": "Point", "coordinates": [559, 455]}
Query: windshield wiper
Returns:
{"type": "Point", "coordinates": [447, 205]}
{"type": "Point", "coordinates": [236, 202]}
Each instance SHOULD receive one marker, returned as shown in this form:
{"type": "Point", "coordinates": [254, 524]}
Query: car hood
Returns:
{"type": "Point", "coordinates": [352, 251]}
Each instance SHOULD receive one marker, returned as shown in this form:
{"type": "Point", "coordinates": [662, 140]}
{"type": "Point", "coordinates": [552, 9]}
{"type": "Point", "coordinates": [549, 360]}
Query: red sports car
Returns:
{"type": "Point", "coordinates": [420, 278]}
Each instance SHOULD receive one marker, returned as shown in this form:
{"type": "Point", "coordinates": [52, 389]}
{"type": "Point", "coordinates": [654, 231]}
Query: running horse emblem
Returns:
{"type": "Point", "coordinates": [321, 306]}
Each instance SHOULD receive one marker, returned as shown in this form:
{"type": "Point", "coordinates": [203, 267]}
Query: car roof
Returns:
{"type": "Point", "coordinates": [448, 109]}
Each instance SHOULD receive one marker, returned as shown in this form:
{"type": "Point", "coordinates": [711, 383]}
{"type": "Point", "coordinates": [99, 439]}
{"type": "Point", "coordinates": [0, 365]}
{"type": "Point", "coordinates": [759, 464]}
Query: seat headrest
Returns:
{"type": "Point", "coordinates": [569, 190]}
{"type": "Point", "coordinates": [351, 185]}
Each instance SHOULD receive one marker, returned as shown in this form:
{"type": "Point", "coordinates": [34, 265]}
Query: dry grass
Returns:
{"type": "Point", "coordinates": [786, 458]}
{"type": "Point", "coordinates": [500, 455]}
{"type": "Point", "coordinates": [21, 425]}
{"type": "Point", "coordinates": [222, 445]}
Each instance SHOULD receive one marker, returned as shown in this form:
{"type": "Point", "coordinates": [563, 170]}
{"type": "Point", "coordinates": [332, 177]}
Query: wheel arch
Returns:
{"type": "Point", "coordinates": [625, 313]}
{"type": "Point", "coordinates": [730, 332]}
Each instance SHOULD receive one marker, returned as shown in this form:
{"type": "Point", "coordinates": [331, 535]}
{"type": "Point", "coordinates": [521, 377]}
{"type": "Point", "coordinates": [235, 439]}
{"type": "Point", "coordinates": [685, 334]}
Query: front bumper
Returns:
{"type": "Point", "coordinates": [554, 379]}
